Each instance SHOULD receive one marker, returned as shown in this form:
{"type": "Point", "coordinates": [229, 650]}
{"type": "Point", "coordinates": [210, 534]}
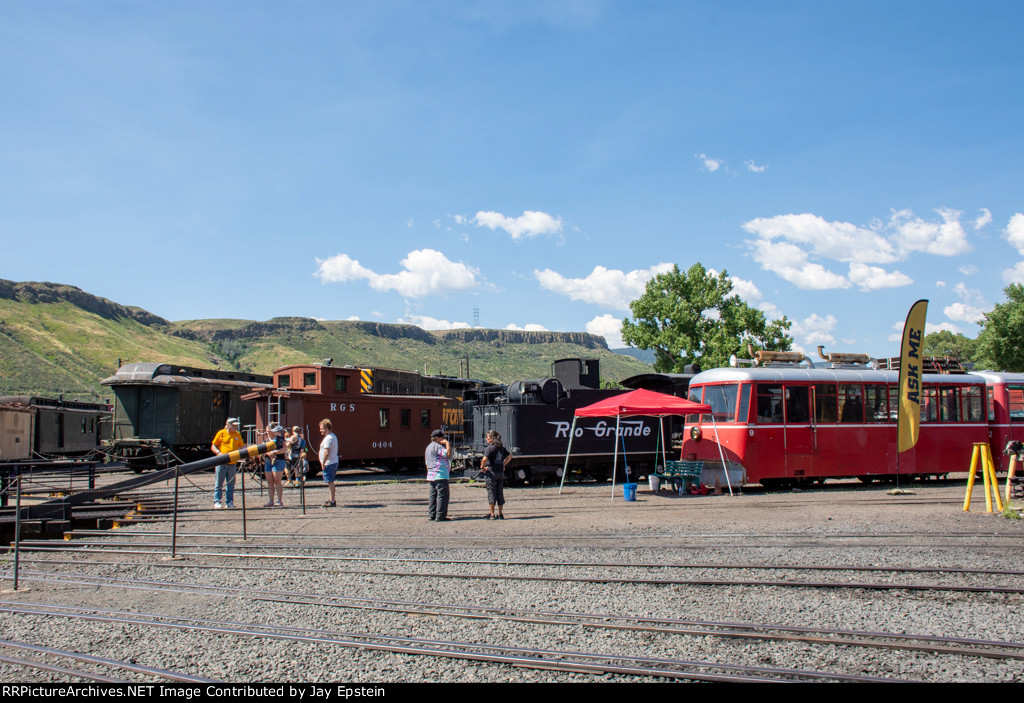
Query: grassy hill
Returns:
{"type": "Point", "coordinates": [57, 339]}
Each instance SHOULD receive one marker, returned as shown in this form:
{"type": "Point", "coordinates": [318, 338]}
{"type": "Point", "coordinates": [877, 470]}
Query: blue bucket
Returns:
{"type": "Point", "coordinates": [629, 491]}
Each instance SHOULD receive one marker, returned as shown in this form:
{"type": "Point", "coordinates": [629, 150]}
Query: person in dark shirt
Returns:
{"type": "Point", "coordinates": [496, 458]}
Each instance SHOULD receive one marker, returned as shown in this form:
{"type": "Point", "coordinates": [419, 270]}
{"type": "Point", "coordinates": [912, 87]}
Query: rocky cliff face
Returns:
{"type": "Point", "coordinates": [33, 292]}
{"type": "Point", "coordinates": [276, 325]}
{"type": "Point", "coordinates": [583, 339]}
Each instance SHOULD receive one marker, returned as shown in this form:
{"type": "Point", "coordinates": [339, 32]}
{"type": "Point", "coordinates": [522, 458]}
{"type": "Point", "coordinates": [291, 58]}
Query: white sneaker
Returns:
{"type": "Point", "coordinates": [217, 505]}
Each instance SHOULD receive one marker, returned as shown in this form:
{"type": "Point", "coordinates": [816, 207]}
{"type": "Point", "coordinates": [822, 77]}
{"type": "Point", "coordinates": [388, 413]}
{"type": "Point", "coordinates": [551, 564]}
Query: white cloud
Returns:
{"type": "Point", "coordinates": [1014, 275]}
{"type": "Point", "coordinates": [746, 290]}
{"type": "Point", "coordinates": [963, 313]}
{"type": "Point", "coordinates": [530, 224]}
{"type": "Point", "coordinates": [946, 238]}
{"type": "Point", "coordinates": [752, 167]}
{"type": "Point", "coordinates": [608, 327]}
{"type": "Point", "coordinates": [968, 270]}
{"type": "Point", "coordinates": [813, 331]}
{"type": "Point", "coordinates": [875, 277]}
{"type": "Point", "coordinates": [530, 327]}
{"type": "Point", "coordinates": [969, 295]}
{"type": "Point", "coordinates": [432, 323]}
{"type": "Point", "coordinates": [1015, 232]}
{"type": "Point", "coordinates": [983, 219]}
{"type": "Point", "coordinates": [711, 165]}
{"type": "Point", "coordinates": [797, 247]}
{"type": "Point", "coordinates": [608, 288]}
{"type": "Point", "coordinates": [426, 272]}
{"type": "Point", "coordinates": [940, 284]}
{"type": "Point", "coordinates": [771, 311]}
{"type": "Point", "coordinates": [929, 328]}
{"type": "Point", "coordinates": [790, 262]}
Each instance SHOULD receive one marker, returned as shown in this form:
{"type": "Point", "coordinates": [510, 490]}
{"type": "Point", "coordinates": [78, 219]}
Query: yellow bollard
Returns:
{"type": "Point", "coordinates": [988, 474]}
{"type": "Point", "coordinates": [1010, 475]}
{"type": "Point", "coordinates": [970, 477]}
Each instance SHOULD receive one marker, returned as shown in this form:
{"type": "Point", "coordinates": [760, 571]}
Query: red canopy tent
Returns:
{"type": "Point", "coordinates": [634, 403]}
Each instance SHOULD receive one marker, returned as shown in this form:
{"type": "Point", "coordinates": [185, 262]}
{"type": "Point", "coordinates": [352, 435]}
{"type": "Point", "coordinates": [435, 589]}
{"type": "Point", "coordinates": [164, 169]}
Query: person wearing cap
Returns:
{"type": "Point", "coordinates": [226, 440]}
{"type": "Point", "coordinates": [438, 468]}
{"type": "Point", "coordinates": [274, 468]}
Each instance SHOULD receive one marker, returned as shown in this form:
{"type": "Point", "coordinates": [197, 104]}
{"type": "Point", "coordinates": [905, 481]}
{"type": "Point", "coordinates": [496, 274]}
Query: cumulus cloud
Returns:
{"type": "Point", "coordinates": [813, 331]}
{"type": "Point", "coordinates": [969, 295]}
{"type": "Point", "coordinates": [432, 323]}
{"type": "Point", "coordinates": [610, 328]}
{"type": "Point", "coordinates": [752, 167]}
{"type": "Point", "coordinates": [983, 219]}
{"type": "Point", "coordinates": [875, 277]}
{"type": "Point", "coordinates": [1014, 232]}
{"type": "Point", "coordinates": [968, 270]}
{"type": "Point", "coordinates": [425, 272]}
{"type": "Point", "coordinates": [530, 224]}
{"type": "Point", "coordinates": [744, 289]}
{"type": "Point", "coordinates": [797, 247]}
{"type": "Point", "coordinates": [963, 313]}
{"type": "Point", "coordinates": [1014, 275]}
{"type": "Point", "coordinates": [608, 288]}
{"type": "Point", "coordinates": [530, 327]}
{"type": "Point", "coordinates": [710, 165]}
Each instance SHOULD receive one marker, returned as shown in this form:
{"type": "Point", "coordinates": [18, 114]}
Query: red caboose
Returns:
{"type": "Point", "coordinates": [373, 428]}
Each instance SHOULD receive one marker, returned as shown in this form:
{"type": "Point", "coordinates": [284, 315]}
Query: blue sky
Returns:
{"type": "Point", "coordinates": [520, 164]}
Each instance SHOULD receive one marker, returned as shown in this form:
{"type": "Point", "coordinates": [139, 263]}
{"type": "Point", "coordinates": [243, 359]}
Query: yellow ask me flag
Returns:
{"type": "Point", "coordinates": [909, 410]}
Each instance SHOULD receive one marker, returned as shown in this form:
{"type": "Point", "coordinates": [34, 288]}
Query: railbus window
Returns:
{"type": "Point", "coordinates": [851, 402]}
{"type": "Point", "coordinates": [876, 396]}
{"type": "Point", "coordinates": [825, 402]}
{"type": "Point", "coordinates": [798, 405]}
{"type": "Point", "coordinates": [722, 400]}
{"type": "Point", "coordinates": [929, 404]}
{"type": "Point", "coordinates": [972, 410]}
{"type": "Point", "coordinates": [949, 404]}
{"type": "Point", "coordinates": [1015, 395]}
{"type": "Point", "coordinates": [769, 403]}
{"type": "Point", "coordinates": [744, 414]}
{"type": "Point", "coordinates": [991, 405]}
{"type": "Point", "coordinates": [695, 395]}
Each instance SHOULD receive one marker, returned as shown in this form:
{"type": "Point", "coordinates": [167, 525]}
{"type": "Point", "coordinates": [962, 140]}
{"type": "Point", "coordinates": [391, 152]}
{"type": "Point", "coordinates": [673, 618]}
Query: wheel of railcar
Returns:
{"type": "Point", "coordinates": [777, 484]}
{"type": "Point", "coordinates": [867, 479]}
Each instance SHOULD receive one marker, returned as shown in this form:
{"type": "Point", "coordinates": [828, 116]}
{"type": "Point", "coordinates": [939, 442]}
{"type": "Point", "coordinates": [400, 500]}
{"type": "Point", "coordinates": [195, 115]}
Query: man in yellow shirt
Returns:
{"type": "Point", "coordinates": [226, 440]}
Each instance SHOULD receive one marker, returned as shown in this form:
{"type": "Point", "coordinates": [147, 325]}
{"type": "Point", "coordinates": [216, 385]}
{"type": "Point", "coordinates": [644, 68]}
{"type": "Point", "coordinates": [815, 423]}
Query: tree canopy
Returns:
{"type": "Point", "coordinates": [1000, 342]}
{"type": "Point", "coordinates": [946, 343]}
{"type": "Point", "coordinates": [695, 317]}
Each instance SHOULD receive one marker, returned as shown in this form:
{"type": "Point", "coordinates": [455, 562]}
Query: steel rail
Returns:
{"type": "Point", "coordinates": [114, 663]}
{"type": "Point", "coordinates": [602, 564]}
{"type": "Point", "coordinates": [515, 656]}
{"type": "Point", "coordinates": [79, 673]}
{"type": "Point", "coordinates": [756, 631]}
{"type": "Point", "coordinates": [600, 579]}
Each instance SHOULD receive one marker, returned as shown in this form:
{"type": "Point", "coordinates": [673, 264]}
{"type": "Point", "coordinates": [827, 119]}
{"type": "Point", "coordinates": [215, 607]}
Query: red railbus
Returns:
{"type": "Point", "coordinates": [793, 425]}
{"type": "Point", "coordinates": [1005, 412]}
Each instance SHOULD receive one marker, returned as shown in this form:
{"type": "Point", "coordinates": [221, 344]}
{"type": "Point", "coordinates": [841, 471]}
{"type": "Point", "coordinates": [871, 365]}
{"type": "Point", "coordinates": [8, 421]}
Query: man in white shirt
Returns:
{"type": "Point", "coordinates": [329, 458]}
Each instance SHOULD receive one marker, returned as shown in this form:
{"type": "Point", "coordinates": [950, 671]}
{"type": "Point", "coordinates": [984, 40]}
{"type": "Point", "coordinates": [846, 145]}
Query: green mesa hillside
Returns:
{"type": "Point", "coordinates": [57, 339]}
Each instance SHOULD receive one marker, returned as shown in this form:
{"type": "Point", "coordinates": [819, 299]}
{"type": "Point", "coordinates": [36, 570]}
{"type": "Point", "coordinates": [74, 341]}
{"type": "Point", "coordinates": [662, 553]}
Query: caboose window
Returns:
{"type": "Point", "coordinates": [385, 417]}
{"type": "Point", "coordinates": [284, 381]}
{"type": "Point", "coordinates": [341, 383]}
{"type": "Point", "coordinates": [406, 418]}
{"type": "Point", "coordinates": [769, 403]}
{"type": "Point", "coordinates": [309, 379]}
{"type": "Point", "coordinates": [424, 418]}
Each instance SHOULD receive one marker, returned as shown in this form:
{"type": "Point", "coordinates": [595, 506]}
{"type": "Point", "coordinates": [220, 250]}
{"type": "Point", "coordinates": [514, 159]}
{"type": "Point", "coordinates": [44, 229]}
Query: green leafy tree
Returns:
{"type": "Point", "coordinates": [694, 317]}
{"type": "Point", "coordinates": [946, 343]}
{"type": "Point", "coordinates": [1001, 342]}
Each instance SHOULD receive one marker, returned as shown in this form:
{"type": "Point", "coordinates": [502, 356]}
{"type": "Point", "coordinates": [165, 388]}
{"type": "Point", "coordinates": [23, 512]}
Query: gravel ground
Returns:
{"type": "Point", "coordinates": [385, 522]}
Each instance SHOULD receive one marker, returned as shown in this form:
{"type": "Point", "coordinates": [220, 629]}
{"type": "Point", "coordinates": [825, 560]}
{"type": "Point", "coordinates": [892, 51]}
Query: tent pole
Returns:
{"type": "Point", "coordinates": [721, 454]}
{"type": "Point", "coordinates": [565, 469]}
{"type": "Point", "coordinates": [615, 461]}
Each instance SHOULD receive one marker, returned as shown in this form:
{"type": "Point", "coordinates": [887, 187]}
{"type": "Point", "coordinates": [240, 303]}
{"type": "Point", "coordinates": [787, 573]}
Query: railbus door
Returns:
{"type": "Point", "coordinates": [800, 431]}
